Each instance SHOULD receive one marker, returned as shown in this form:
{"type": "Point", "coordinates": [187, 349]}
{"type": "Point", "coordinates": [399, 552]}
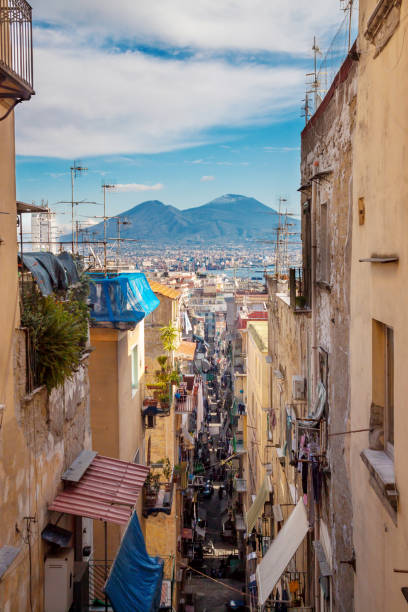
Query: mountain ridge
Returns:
{"type": "Point", "coordinates": [227, 218]}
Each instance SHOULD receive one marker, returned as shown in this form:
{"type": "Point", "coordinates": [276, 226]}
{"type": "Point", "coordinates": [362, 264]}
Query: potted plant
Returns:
{"type": "Point", "coordinates": [166, 469]}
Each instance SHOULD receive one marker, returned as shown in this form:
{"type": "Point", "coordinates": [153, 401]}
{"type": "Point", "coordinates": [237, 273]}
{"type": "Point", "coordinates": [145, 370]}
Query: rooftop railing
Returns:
{"type": "Point", "coordinates": [16, 49]}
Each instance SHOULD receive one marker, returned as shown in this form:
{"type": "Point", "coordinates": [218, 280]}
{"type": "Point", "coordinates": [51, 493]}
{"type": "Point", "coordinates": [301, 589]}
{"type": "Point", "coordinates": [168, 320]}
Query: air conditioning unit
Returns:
{"type": "Point", "coordinates": [59, 581]}
{"type": "Point", "coordinates": [298, 387]}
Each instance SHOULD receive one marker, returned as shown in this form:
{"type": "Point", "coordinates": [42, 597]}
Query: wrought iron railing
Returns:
{"type": "Point", "coordinates": [16, 44]}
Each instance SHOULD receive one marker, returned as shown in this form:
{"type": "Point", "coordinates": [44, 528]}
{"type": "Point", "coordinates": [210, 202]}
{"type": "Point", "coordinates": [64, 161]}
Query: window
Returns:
{"type": "Point", "coordinates": [135, 369]}
{"type": "Point", "coordinates": [324, 270]}
{"type": "Point", "coordinates": [383, 379]}
{"type": "Point", "coordinates": [137, 456]}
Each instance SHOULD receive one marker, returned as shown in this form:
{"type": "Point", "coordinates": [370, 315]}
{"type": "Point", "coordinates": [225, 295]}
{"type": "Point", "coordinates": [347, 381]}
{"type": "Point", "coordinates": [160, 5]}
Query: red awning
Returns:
{"type": "Point", "coordinates": [107, 491]}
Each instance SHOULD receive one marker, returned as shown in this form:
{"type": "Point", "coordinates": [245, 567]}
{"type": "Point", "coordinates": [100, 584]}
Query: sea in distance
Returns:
{"type": "Point", "coordinates": [244, 272]}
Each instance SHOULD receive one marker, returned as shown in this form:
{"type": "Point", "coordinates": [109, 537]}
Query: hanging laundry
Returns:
{"type": "Point", "coordinates": [316, 479]}
{"type": "Point", "coordinates": [305, 471]}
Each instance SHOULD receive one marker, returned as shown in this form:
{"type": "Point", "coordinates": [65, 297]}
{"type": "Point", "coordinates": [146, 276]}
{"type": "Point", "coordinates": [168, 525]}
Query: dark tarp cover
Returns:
{"type": "Point", "coordinates": [40, 274]}
{"type": "Point", "coordinates": [135, 579]}
{"type": "Point", "coordinates": [50, 272]}
{"type": "Point", "coordinates": [70, 267]}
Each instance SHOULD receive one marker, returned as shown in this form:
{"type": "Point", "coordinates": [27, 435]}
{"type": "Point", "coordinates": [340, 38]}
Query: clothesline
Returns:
{"type": "Point", "coordinates": [227, 586]}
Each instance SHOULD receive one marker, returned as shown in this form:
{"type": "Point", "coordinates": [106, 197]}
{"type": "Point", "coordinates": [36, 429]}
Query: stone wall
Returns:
{"type": "Point", "coordinates": [37, 445]}
{"type": "Point", "coordinates": [327, 151]}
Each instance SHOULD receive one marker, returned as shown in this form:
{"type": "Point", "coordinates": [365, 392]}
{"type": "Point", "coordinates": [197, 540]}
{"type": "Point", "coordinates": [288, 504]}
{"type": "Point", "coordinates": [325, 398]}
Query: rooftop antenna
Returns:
{"type": "Point", "coordinates": [105, 187]}
{"type": "Point", "coordinates": [75, 171]}
{"type": "Point", "coordinates": [347, 7]}
{"type": "Point", "coordinates": [120, 222]}
{"type": "Point", "coordinates": [306, 108]}
{"type": "Point", "coordinates": [278, 236]}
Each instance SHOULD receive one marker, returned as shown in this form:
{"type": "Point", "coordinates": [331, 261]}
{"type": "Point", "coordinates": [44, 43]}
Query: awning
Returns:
{"type": "Point", "coordinates": [256, 509]}
{"type": "Point", "coordinates": [186, 350]}
{"type": "Point", "coordinates": [135, 578]}
{"type": "Point", "coordinates": [23, 207]}
{"type": "Point", "coordinates": [107, 491]}
{"type": "Point", "coordinates": [188, 439]}
{"type": "Point", "coordinates": [281, 551]}
{"type": "Point", "coordinates": [7, 556]}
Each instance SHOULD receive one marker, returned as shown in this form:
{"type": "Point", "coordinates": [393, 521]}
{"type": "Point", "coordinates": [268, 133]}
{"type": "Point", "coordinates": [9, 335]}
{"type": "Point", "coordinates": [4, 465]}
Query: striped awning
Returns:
{"type": "Point", "coordinates": [107, 491]}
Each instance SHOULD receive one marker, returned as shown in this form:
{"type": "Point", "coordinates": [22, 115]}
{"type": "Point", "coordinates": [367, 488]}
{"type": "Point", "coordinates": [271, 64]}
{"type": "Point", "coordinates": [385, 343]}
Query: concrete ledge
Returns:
{"type": "Point", "coordinates": [382, 478]}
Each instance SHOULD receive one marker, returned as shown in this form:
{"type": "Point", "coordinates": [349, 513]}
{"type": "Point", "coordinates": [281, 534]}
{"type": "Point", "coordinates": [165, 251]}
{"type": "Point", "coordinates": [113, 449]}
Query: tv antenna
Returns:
{"type": "Point", "coordinates": [106, 187]}
{"type": "Point", "coordinates": [347, 7]}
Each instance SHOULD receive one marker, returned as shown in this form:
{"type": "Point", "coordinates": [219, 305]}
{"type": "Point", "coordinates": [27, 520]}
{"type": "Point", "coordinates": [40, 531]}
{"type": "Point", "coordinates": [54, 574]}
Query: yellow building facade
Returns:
{"type": "Point", "coordinates": [116, 374]}
{"type": "Point", "coordinates": [379, 332]}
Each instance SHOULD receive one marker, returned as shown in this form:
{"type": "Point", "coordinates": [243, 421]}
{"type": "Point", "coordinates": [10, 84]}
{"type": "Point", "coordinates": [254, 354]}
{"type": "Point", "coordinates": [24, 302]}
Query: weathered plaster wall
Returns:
{"type": "Point", "coordinates": [258, 379]}
{"type": "Point", "coordinates": [161, 531]}
{"type": "Point", "coordinates": [288, 348]}
{"type": "Point", "coordinates": [327, 144]}
{"type": "Point", "coordinates": [38, 443]}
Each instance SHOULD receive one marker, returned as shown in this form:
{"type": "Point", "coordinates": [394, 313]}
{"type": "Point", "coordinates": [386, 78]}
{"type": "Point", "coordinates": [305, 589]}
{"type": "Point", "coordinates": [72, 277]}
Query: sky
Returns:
{"type": "Point", "coordinates": [175, 100]}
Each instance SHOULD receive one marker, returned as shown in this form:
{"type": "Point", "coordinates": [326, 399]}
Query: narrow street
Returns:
{"type": "Point", "coordinates": [217, 582]}
{"type": "Point", "coordinates": [212, 595]}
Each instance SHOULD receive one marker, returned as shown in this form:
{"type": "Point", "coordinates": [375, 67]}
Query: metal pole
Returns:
{"type": "Point", "coordinates": [72, 207]}
{"type": "Point", "coordinates": [106, 561]}
{"type": "Point", "coordinates": [104, 228]}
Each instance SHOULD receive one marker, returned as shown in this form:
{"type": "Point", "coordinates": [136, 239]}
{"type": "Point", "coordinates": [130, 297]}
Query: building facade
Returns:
{"type": "Point", "coordinates": [378, 338]}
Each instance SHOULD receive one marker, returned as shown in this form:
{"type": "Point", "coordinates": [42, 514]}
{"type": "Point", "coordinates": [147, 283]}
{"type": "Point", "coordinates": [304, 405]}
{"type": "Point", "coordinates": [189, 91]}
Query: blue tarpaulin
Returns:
{"type": "Point", "coordinates": [135, 580]}
{"type": "Point", "coordinates": [122, 298]}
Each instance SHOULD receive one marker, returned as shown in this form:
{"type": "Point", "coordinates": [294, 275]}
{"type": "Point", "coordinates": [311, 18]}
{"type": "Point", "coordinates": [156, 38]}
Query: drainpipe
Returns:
{"type": "Point", "coordinates": [313, 215]}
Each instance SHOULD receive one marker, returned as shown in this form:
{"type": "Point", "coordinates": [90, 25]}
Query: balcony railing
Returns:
{"type": "Point", "coordinates": [16, 49]}
{"type": "Point", "coordinates": [185, 403]}
{"type": "Point", "coordinates": [240, 485]}
{"type": "Point", "coordinates": [297, 292]}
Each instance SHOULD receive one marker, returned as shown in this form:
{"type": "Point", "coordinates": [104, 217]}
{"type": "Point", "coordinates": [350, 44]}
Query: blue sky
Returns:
{"type": "Point", "coordinates": [173, 100]}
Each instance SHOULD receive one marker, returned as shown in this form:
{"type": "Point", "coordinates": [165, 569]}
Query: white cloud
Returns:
{"type": "Point", "coordinates": [271, 25]}
{"type": "Point", "coordinates": [122, 103]}
{"type": "Point", "coordinates": [94, 97]}
{"type": "Point", "coordinates": [138, 187]}
{"type": "Point", "coordinates": [206, 179]}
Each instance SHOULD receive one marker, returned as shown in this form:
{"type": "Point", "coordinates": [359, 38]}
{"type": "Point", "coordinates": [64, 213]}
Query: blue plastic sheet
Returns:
{"type": "Point", "coordinates": [135, 580]}
{"type": "Point", "coordinates": [122, 298]}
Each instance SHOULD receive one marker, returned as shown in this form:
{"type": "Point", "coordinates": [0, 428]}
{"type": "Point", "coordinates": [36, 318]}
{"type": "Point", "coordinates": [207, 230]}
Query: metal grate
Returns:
{"type": "Point", "coordinates": [16, 45]}
{"type": "Point", "coordinates": [98, 573]}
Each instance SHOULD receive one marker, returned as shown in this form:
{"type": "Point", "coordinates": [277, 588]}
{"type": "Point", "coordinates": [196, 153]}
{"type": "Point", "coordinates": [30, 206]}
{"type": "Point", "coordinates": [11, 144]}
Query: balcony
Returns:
{"type": "Point", "coordinates": [157, 496]}
{"type": "Point", "coordinates": [16, 50]}
{"type": "Point", "coordinates": [240, 485]}
{"type": "Point", "coordinates": [297, 292]}
{"type": "Point", "coordinates": [239, 445]}
{"type": "Point", "coordinates": [185, 401]}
